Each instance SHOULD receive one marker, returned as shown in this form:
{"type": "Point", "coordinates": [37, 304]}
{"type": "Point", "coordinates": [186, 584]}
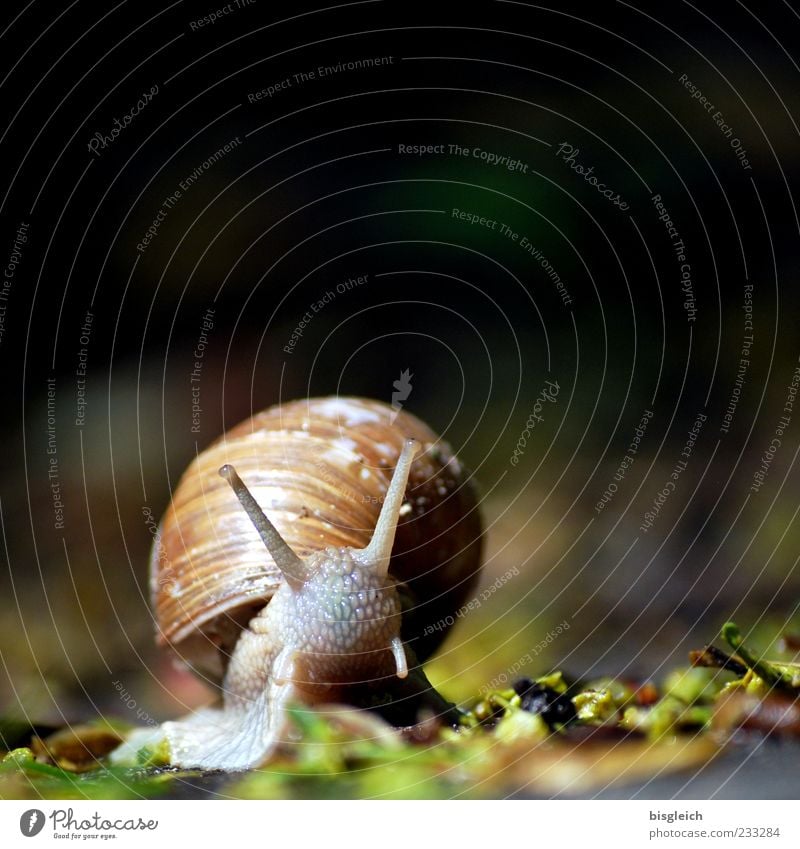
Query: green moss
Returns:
{"type": "Point", "coordinates": [23, 777]}
{"type": "Point", "coordinates": [520, 725]}
{"type": "Point", "coordinates": [668, 715]}
{"type": "Point", "coordinates": [352, 754]}
{"type": "Point", "coordinates": [696, 684]}
{"type": "Point", "coordinates": [602, 700]}
{"type": "Point", "coordinates": [774, 675]}
{"type": "Point", "coordinates": [555, 681]}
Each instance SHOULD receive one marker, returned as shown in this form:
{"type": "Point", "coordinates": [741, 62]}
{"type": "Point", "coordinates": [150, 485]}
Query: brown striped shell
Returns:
{"type": "Point", "coordinates": [319, 468]}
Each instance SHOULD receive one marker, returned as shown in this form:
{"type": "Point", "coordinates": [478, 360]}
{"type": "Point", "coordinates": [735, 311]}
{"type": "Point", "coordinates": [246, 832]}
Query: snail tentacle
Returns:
{"type": "Point", "coordinates": [377, 554]}
{"type": "Point", "coordinates": [292, 566]}
{"type": "Point", "coordinates": [399, 652]}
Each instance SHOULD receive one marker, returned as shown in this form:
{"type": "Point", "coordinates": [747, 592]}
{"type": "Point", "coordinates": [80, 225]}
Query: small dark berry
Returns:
{"type": "Point", "coordinates": [522, 685]}
{"type": "Point", "coordinates": [553, 707]}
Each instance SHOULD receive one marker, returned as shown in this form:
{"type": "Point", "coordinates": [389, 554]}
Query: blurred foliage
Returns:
{"type": "Point", "coordinates": [544, 736]}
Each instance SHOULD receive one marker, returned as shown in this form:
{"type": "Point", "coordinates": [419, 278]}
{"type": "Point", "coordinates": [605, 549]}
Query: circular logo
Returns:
{"type": "Point", "coordinates": [31, 822]}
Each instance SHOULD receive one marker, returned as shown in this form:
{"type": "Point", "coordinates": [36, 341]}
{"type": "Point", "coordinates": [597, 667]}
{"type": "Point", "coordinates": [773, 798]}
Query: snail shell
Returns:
{"type": "Point", "coordinates": [319, 468]}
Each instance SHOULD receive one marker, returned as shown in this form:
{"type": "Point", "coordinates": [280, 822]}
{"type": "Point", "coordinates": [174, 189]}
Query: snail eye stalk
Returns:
{"type": "Point", "coordinates": [293, 568]}
{"type": "Point", "coordinates": [378, 553]}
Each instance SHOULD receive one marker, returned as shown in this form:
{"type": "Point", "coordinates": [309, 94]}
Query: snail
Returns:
{"type": "Point", "coordinates": [292, 567]}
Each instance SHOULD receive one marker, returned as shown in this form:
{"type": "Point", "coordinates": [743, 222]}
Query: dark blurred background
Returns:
{"type": "Point", "coordinates": [313, 190]}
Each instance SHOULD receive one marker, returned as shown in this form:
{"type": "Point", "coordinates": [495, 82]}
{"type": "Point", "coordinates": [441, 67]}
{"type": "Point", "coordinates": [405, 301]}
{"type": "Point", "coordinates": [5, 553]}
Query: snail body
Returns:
{"type": "Point", "coordinates": [352, 590]}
